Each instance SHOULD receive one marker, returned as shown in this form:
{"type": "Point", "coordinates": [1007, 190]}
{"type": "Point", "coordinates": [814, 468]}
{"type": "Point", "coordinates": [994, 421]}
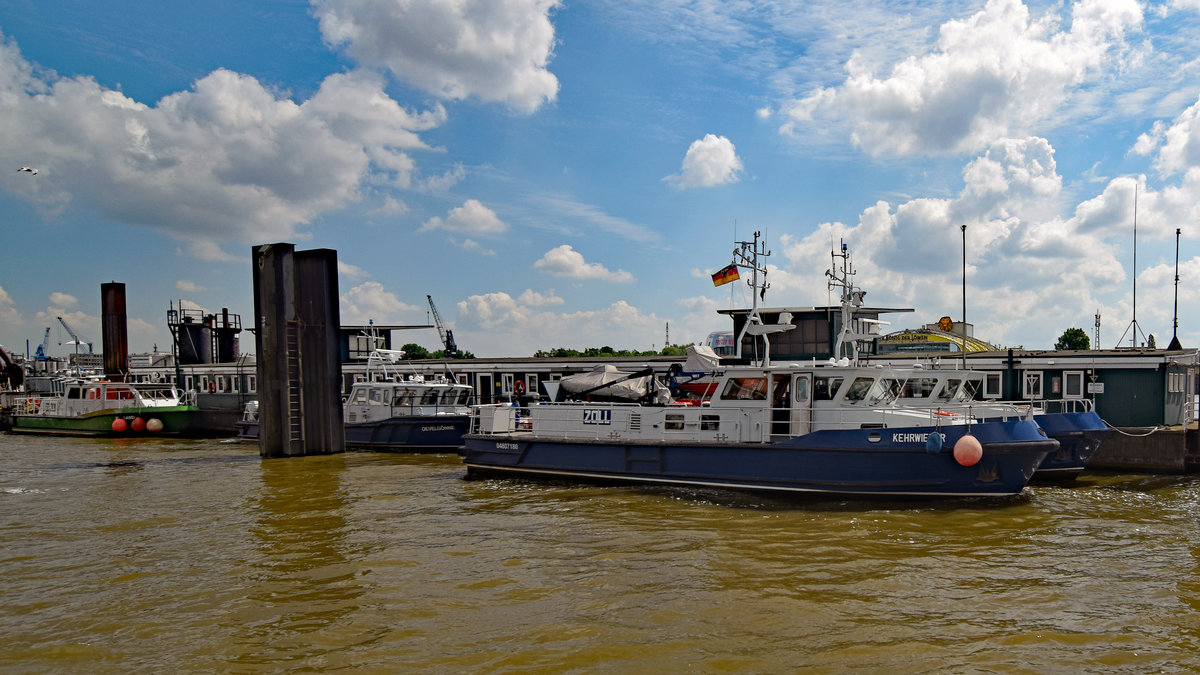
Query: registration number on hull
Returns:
{"type": "Point", "coordinates": [597, 416]}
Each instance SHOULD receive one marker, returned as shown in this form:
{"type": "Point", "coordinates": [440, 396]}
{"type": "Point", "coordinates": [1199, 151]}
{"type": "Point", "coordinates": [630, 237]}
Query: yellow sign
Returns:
{"type": "Point", "coordinates": [946, 323]}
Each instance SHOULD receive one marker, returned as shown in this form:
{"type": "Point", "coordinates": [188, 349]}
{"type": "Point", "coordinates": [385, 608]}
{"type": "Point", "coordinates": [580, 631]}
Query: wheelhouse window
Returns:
{"type": "Point", "coordinates": [825, 388]}
{"type": "Point", "coordinates": [745, 389]}
{"type": "Point", "coordinates": [858, 388]}
{"type": "Point", "coordinates": [673, 422]}
{"type": "Point", "coordinates": [376, 396]}
{"type": "Point", "coordinates": [1031, 384]}
{"type": "Point", "coordinates": [360, 395]}
{"type": "Point", "coordinates": [919, 387]}
{"type": "Point", "coordinates": [949, 389]}
{"type": "Point", "coordinates": [710, 422]}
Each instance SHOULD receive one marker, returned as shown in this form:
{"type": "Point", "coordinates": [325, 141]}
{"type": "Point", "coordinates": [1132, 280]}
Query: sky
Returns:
{"type": "Point", "coordinates": [570, 174]}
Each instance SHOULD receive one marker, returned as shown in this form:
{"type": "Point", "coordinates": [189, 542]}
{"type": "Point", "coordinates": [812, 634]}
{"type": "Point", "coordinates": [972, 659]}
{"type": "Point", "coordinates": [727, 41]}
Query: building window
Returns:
{"type": "Point", "coordinates": [531, 383]}
{"type": "Point", "coordinates": [1031, 384]}
{"type": "Point", "coordinates": [253, 388]}
{"type": "Point", "coordinates": [1073, 384]}
{"type": "Point", "coordinates": [1175, 383]}
{"type": "Point", "coordinates": [992, 387]}
{"type": "Point", "coordinates": [506, 384]}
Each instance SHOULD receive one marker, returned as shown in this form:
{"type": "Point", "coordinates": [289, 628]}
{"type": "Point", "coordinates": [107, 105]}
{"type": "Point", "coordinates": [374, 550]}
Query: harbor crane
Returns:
{"type": "Point", "coordinates": [43, 350]}
{"type": "Point", "coordinates": [75, 338]}
{"type": "Point", "coordinates": [447, 335]}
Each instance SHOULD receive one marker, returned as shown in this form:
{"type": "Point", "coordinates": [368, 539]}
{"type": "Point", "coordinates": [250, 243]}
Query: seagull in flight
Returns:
{"type": "Point", "coordinates": [28, 170]}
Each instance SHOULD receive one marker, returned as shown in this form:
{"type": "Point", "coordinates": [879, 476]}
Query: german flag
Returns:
{"type": "Point", "coordinates": [725, 275]}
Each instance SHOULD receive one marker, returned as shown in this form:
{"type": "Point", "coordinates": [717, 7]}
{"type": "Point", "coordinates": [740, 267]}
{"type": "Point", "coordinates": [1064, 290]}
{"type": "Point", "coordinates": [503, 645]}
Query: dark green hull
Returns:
{"type": "Point", "coordinates": [176, 421]}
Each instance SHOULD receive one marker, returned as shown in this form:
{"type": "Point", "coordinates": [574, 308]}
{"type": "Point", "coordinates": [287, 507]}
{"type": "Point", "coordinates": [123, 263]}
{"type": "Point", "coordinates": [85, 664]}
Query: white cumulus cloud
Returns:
{"type": "Point", "coordinates": [470, 218]}
{"type": "Point", "coordinates": [995, 74]}
{"type": "Point", "coordinates": [497, 324]}
{"type": "Point", "coordinates": [371, 301]}
{"type": "Point", "coordinates": [228, 160]}
{"type": "Point", "coordinates": [564, 261]}
{"type": "Point", "coordinates": [496, 50]}
{"type": "Point", "coordinates": [710, 161]}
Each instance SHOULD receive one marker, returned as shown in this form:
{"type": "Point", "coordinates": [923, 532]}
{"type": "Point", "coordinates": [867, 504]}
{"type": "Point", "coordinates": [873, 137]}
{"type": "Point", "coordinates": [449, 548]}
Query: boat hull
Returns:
{"type": "Point", "coordinates": [175, 421]}
{"type": "Point", "coordinates": [854, 462]}
{"type": "Point", "coordinates": [417, 433]}
{"type": "Point", "coordinates": [1079, 436]}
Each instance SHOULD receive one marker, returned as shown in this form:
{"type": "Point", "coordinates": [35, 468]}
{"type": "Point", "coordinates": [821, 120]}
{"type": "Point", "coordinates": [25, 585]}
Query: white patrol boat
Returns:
{"type": "Point", "coordinates": [392, 411]}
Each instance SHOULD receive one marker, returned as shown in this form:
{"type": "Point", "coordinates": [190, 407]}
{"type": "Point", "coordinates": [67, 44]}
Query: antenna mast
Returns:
{"type": "Point", "coordinates": [746, 255]}
{"type": "Point", "coordinates": [1175, 325]}
{"type": "Point", "coordinates": [1133, 324]}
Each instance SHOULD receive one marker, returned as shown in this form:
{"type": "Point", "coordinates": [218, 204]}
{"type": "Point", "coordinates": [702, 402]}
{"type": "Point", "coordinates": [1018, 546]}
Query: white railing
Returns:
{"type": "Point", "coordinates": [599, 421]}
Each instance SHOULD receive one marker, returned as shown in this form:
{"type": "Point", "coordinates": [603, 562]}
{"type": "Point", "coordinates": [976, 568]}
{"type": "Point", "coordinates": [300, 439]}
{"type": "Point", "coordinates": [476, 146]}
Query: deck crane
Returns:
{"type": "Point", "coordinates": [74, 337]}
{"type": "Point", "coordinates": [446, 334]}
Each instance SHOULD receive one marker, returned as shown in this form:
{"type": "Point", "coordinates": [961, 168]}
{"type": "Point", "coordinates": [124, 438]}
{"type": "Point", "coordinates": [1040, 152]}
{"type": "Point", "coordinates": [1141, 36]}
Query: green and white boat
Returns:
{"type": "Point", "coordinates": [82, 407]}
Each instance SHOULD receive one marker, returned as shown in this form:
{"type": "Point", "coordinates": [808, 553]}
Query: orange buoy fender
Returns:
{"type": "Point", "coordinates": [154, 425]}
{"type": "Point", "coordinates": [968, 451]}
{"type": "Point", "coordinates": [138, 424]}
{"type": "Point", "coordinates": [119, 425]}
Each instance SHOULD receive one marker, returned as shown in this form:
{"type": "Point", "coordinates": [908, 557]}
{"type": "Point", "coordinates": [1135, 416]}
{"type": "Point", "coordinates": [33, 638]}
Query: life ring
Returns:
{"type": "Point", "coordinates": [212, 387]}
{"type": "Point", "coordinates": [519, 387]}
{"type": "Point", "coordinates": [945, 413]}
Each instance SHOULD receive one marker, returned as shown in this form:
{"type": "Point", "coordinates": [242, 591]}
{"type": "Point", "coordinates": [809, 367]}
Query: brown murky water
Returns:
{"type": "Point", "coordinates": [165, 556]}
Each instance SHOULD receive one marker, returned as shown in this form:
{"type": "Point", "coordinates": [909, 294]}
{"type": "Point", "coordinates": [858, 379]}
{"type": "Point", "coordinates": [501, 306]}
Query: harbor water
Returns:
{"type": "Point", "coordinates": [198, 556]}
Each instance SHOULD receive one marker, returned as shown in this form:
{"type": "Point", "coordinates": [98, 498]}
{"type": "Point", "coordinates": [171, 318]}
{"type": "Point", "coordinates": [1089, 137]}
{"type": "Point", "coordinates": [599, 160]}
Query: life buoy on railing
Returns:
{"type": "Point", "coordinates": [212, 387]}
{"type": "Point", "coordinates": [519, 387]}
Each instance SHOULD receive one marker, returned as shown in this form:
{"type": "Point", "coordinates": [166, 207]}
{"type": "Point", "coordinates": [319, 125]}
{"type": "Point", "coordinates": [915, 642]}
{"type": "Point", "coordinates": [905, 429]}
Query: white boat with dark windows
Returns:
{"type": "Point", "coordinates": [828, 428]}
{"type": "Point", "coordinates": [390, 410]}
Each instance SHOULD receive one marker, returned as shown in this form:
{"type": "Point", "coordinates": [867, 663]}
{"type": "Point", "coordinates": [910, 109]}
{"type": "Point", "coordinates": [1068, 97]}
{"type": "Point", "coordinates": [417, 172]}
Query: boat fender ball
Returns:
{"type": "Point", "coordinates": [154, 425]}
{"type": "Point", "coordinates": [933, 445]}
{"type": "Point", "coordinates": [138, 424]}
{"type": "Point", "coordinates": [968, 451]}
{"type": "Point", "coordinates": [119, 425]}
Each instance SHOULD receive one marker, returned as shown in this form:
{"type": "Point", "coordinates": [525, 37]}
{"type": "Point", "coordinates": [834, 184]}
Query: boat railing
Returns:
{"type": "Point", "coordinates": [598, 421]}
{"type": "Point", "coordinates": [1064, 405]}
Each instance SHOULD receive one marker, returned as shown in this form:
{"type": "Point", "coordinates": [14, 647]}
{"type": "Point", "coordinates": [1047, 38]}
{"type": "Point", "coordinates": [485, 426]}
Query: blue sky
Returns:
{"type": "Point", "coordinates": [570, 173]}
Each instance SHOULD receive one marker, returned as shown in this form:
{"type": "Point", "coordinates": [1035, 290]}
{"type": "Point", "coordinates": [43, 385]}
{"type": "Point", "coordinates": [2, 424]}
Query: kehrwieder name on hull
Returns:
{"type": "Point", "coordinates": [910, 438]}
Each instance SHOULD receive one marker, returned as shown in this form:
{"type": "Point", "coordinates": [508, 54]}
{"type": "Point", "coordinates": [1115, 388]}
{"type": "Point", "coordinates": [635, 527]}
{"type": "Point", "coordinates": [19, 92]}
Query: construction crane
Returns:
{"type": "Point", "coordinates": [43, 350]}
{"type": "Point", "coordinates": [443, 332]}
{"type": "Point", "coordinates": [75, 338]}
